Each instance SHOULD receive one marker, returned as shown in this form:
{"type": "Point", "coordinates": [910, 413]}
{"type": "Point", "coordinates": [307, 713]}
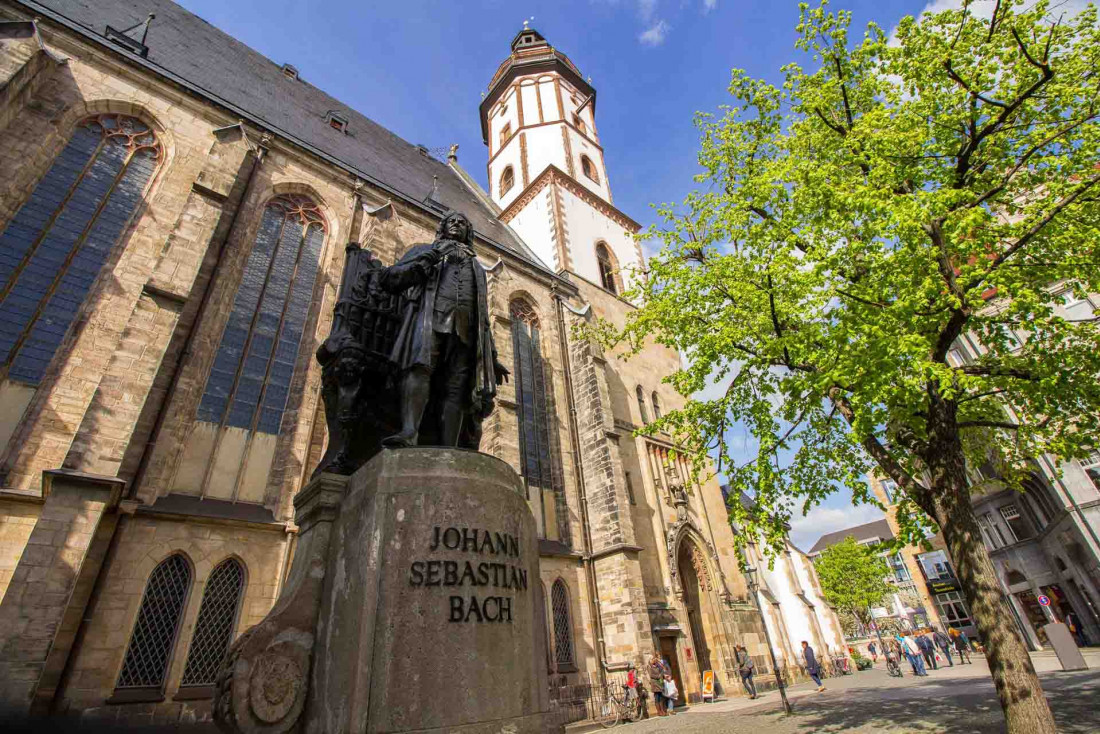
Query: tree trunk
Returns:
{"type": "Point", "coordinates": [1025, 705]}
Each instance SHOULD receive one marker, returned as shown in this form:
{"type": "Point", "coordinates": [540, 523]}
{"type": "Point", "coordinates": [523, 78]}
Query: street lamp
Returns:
{"type": "Point", "coordinates": [754, 587]}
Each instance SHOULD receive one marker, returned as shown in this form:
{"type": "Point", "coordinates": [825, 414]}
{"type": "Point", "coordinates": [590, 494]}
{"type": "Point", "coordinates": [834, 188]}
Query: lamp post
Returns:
{"type": "Point", "coordinates": [754, 587]}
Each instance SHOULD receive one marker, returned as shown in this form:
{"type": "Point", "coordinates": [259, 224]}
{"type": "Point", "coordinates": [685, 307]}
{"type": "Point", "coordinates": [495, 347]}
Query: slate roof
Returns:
{"type": "Point", "coordinates": [877, 529]}
{"type": "Point", "coordinates": [186, 48]}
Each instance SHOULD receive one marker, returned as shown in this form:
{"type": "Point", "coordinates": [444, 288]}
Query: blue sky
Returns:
{"type": "Point", "coordinates": [419, 69]}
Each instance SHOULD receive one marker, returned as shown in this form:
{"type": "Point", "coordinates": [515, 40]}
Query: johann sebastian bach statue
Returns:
{"type": "Point", "coordinates": [410, 359]}
{"type": "Point", "coordinates": [444, 354]}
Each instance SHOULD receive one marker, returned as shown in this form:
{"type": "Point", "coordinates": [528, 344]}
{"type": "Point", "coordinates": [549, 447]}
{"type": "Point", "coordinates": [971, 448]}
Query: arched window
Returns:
{"type": "Point", "coordinates": [563, 626]}
{"type": "Point", "coordinates": [539, 456]}
{"type": "Point", "coordinates": [1037, 491]}
{"type": "Point", "coordinates": [221, 602]}
{"type": "Point", "coordinates": [55, 245]}
{"type": "Point", "coordinates": [158, 621]}
{"type": "Point", "coordinates": [507, 180]}
{"type": "Point", "coordinates": [656, 406]}
{"type": "Point", "coordinates": [641, 404]}
{"type": "Point", "coordinates": [607, 268]}
{"type": "Point", "coordinates": [589, 169]}
{"type": "Point", "coordinates": [250, 380]}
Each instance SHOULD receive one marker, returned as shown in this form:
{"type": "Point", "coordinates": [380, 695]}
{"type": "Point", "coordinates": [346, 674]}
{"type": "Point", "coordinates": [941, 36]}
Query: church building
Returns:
{"type": "Point", "coordinates": [173, 215]}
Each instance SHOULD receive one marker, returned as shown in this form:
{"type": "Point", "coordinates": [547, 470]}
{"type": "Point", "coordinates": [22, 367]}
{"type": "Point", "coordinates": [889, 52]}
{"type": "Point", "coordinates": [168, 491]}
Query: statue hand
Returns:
{"type": "Point", "coordinates": [501, 372]}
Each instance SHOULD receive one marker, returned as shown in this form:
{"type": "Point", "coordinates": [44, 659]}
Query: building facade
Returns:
{"type": "Point", "coordinates": [172, 225]}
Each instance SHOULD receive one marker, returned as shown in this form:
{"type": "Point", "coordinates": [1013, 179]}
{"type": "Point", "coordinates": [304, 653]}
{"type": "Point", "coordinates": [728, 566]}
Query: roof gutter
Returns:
{"type": "Point", "coordinates": [133, 58]}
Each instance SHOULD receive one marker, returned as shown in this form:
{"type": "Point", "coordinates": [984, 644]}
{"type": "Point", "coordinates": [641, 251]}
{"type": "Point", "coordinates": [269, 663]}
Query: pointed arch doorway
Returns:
{"type": "Point", "coordinates": [696, 585]}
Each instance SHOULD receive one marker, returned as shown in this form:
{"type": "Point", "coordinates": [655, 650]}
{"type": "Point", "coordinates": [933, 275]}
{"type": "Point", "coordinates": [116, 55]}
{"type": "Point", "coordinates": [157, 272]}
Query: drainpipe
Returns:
{"type": "Point", "coordinates": [574, 437]}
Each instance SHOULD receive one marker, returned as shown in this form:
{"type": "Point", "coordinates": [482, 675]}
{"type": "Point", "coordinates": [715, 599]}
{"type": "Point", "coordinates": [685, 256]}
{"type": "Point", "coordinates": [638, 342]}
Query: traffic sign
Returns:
{"type": "Point", "coordinates": [1044, 600]}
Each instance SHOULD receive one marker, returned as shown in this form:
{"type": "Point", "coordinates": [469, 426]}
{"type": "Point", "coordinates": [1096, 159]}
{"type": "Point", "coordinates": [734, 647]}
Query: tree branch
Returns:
{"type": "Point", "coordinates": [875, 448]}
{"type": "Point", "coordinates": [995, 371]}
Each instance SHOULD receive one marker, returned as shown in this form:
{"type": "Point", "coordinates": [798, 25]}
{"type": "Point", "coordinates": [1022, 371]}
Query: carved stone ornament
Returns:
{"type": "Point", "coordinates": [275, 685]}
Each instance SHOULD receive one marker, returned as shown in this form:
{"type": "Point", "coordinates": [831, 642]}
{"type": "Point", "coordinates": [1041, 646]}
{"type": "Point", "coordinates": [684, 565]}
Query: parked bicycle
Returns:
{"type": "Point", "coordinates": [892, 666]}
{"type": "Point", "coordinates": [619, 706]}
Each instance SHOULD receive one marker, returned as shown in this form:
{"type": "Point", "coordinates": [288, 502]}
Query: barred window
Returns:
{"type": "Point", "coordinates": [539, 456]}
{"type": "Point", "coordinates": [641, 404]}
{"type": "Point", "coordinates": [157, 624]}
{"type": "Point", "coordinates": [607, 267]}
{"type": "Point", "coordinates": [250, 380]}
{"type": "Point", "coordinates": [563, 628]}
{"type": "Point", "coordinates": [221, 602]}
{"type": "Point", "coordinates": [59, 240]}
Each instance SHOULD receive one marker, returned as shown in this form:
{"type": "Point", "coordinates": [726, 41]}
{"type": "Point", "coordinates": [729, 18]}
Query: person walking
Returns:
{"type": "Point", "coordinates": [928, 650]}
{"type": "Point", "coordinates": [657, 684]}
{"type": "Point", "coordinates": [813, 668]}
{"type": "Point", "coordinates": [943, 642]}
{"type": "Point", "coordinates": [962, 645]}
{"type": "Point", "coordinates": [913, 653]}
{"type": "Point", "coordinates": [745, 666]}
{"type": "Point", "coordinates": [874, 653]}
{"type": "Point", "coordinates": [1075, 629]}
{"type": "Point", "coordinates": [633, 709]}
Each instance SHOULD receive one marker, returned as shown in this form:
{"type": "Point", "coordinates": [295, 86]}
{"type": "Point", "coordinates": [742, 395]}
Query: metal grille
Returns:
{"type": "Point", "coordinates": [54, 247]}
{"type": "Point", "coordinates": [214, 628]}
{"type": "Point", "coordinates": [157, 623]}
{"type": "Point", "coordinates": [563, 630]}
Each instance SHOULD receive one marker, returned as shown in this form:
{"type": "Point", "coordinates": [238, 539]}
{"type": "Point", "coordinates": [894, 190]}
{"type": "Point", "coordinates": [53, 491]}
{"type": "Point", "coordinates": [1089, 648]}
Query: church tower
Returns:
{"type": "Point", "coordinates": [546, 166]}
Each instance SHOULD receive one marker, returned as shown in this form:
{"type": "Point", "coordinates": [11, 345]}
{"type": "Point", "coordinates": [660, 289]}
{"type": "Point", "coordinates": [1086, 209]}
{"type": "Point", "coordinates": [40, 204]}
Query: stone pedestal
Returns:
{"type": "Point", "coordinates": [422, 583]}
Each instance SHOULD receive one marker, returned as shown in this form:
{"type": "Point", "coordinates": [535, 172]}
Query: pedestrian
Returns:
{"type": "Point", "coordinates": [943, 642]}
{"type": "Point", "coordinates": [657, 684]}
{"type": "Point", "coordinates": [962, 646]}
{"type": "Point", "coordinates": [874, 652]}
{"type": "Point", "coordinates": [1074, 625]}
{"type": "Point", "coordinates": [745, 666]}
{"type": "Point", "coordinates": [813, 668]}
{"type": "Point", "coordinates": [631, 686]}
{"type": "Point", "coordinates": [671, 694]}
{"type": "Point", "coordinates": [928, 651]}
{"type": "Point", "coordinates": [913, 653]}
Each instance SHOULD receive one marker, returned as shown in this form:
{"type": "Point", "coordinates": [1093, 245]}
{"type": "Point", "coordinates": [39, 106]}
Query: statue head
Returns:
{"type": "Point", "coordinates": [455, 226]}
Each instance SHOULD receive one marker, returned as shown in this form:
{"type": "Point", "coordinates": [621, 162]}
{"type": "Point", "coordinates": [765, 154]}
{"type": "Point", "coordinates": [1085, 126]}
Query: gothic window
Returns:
{"type": "Point", "coordinates": [1036, 489]}
{"type": "Point", "coordinates": [221, 602]}
{"type": "Point", "coordinates": [589, 169]}
{"type": "Point", "coordinates": [56, 244]}
{"type": "Point", "coordinates": [607, 268]}
{"type": "Point", "coordinates": [158, 621]}
{"type": "Point", "coordinates": [563, 627]}
{"type": "Point", "coordinates": [630, 489]}
{"type": "Point", "coordinates": [250, 380]}
{"type": "Point", "coordinates": [507, 180]}
{"type": "Point", "coordinates": [539, 457]}
{"type": "Point", "coordinates": [641, 404]}
{"type": "Point", "coordinates": [656, 406]}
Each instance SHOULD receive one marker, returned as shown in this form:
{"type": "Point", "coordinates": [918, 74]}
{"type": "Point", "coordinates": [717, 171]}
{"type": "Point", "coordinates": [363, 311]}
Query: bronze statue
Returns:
{"type": "Point", "coordinates": [444, 351]}
{"type": "Point", "coordinates": [410, 359]}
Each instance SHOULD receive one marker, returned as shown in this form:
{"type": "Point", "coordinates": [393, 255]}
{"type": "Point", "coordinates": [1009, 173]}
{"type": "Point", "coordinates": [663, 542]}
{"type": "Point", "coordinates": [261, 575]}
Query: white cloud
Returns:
{"type": "Point", "coordinates": [655, 35]}
{"type": "Point", "coordinates": [823, 519]}
{"type": "Point", "coordinates": [709, 5]}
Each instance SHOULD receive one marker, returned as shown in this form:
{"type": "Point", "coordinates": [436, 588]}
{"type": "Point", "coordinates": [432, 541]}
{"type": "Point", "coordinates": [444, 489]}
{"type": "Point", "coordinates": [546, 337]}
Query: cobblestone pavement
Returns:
{"type": "Point", "coordinates": [951, 700]}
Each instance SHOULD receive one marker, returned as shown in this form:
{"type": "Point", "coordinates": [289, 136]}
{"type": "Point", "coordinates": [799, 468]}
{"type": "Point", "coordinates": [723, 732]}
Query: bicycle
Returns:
{"type": "Point", "coordinates": [892, 666]}
{"type": "Point", "coordinates": [842, 666]}
{"type": "Point", "coordinates": [619, 706]}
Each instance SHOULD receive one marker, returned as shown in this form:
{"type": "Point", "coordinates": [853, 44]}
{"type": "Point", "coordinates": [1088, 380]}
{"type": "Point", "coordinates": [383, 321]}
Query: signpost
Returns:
{"type": "Point", "coordinates": [1044, 600]}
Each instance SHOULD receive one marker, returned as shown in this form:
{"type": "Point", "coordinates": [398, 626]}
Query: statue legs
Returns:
{"type": "Point", "coordinates": [415, 389]}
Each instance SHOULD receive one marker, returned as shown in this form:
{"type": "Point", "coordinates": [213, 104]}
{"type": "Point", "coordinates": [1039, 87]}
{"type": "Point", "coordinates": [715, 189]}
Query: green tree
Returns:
{"type": "Point", "coordinates": [853, 577]}
{"type": "Point", "coordinates": [856, 221]}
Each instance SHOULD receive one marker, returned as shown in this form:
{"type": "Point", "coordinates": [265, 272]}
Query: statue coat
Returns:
{"type": "Point", "coordinates": [416, 277]}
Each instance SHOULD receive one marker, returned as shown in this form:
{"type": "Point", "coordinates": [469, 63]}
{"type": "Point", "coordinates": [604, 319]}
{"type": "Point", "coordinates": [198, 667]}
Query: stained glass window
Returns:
{"type": "Point", "coordinates": [58, 241]}
{"type": "Point", "coordinates": [249, 382]}
{"type": "Point", "coordinates": [563, 627]}
{"type": "Point", "coordinates": [158, 622]}
{"type": "Point", "coordinates": [539, 458]}
{"type": "Point", "coordinates": [214, 629]}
